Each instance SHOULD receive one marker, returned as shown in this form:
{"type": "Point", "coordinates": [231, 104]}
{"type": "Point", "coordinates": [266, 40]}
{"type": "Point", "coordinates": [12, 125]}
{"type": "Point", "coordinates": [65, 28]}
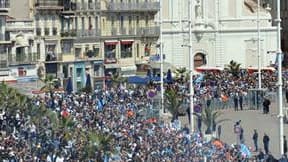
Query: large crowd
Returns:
{"type": "Point", "coordinates": [127, 134]}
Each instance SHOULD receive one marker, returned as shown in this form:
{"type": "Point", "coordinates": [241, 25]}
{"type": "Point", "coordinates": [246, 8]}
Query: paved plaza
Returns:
{"type": "Point", "coordinates": [250, 120]}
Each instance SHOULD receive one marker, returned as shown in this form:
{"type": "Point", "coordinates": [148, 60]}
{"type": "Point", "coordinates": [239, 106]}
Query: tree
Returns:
{"type": "Point", "coordinates": [234, 68]}
{"type": "Point", "coordinates": [117, 79]}
{"type": "Point", "coordinates": [49, 84]}
{"type": "Point", "coordinates": [173, 102]}
{"type": "Point", "coordinates": [181, 73]}
{"type": "Point", "coordinates": [211, 119]}
{"type": "Point", "coordinates": [99, 143]}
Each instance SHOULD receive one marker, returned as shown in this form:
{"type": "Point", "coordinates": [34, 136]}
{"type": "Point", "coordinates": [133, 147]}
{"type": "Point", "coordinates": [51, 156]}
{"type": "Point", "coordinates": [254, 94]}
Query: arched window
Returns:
{"type": "Point", "coordinates": [199, 60]}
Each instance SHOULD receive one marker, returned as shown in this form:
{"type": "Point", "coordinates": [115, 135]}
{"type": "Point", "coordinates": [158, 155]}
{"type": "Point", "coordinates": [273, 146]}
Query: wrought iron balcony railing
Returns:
{"type": "Point", "coordinates": [140, 6]}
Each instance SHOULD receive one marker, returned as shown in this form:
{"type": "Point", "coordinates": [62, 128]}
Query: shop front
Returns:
{"type": "Point", "coordinates": [79, 76]}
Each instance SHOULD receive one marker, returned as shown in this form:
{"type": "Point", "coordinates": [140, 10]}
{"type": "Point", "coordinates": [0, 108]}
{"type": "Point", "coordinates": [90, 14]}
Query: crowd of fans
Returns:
{"type": "Point", "coordinates": [110, 125]}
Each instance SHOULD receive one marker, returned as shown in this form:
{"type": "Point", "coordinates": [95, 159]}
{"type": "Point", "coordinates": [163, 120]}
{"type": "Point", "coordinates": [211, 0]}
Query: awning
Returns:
{"type": "Point", "coordinates": [127, 41]}
{"type": "Point", "coordinates": [114, 42]}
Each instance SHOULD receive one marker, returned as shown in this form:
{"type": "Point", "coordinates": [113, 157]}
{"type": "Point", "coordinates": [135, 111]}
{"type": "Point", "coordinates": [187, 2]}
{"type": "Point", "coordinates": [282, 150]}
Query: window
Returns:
{"type": "Point", "coordinates": [96, 22]}
{"type": "Point", "coordinates": [137, 21]}
{"type": "Point", "coordinates": [110, 52]}
{"type": "Point", "coordinates": [20, 54]}
{"type": "Point", "coordinates": [137, 50]}
{"type": "Point", "coordinates": [22, 72]}
{"type": "Point", "coordinates": [38, 51]}
{"type": "Point", "coordinates": [121, 21]}
{"type": "Point", "coordinates": [78, 72]}
{"type": "Point", "coordinates": [47, 32]}
{"type": "Point", "coordinates": [112, 21]}
{"type": "Point", "coordinates": [77, 52]}
{"type": "Point", "coordinates": [126, 50]}
{"type": "Point", "coordinates": [76, 23]}
{"type": "Point", "coordinates": [54, 31]}
{"type": "Point", "coordinates": [38, 31]}
{"type": "Point", "coordinates": [65, 70]}
{"type": "Point", "coordinates": [97, 70]}
{"type": "Point", "coordinates": [147, 49]}
{"type": "Point", "coordinates": [147, 21]}
{"type": "Point", "coordinates": [83, 23]}
{"type": "Point", "coordinates": [90, 23]}
{"type": "Point", "coordinates": [66, 47]}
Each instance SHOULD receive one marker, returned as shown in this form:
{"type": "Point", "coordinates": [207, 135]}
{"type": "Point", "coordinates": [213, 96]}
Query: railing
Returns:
{"type": "Point", "coordinates": [4, 4]}
{"type": "Point", "coordinates": [88, 6]}
{"type": "Point", "coordinates": [24, 59]}
{"type": "Point", "coordinates": [68, 33]}
{"type": "Point", "coordinates": [88, 33]}
{"type": "Point", "coordinates": [70, 6]}
{"type": "Point", "coordinates": [144, 31]}
{"type": "Point", "coordinates": [141, 6]}
{"type": "Point", "coordinates": [57, 57]}
{"type": "Point", "coordinates": [122, 31]}
{"type": "Point", "coordinates": [149, 31]}
{"type": "Point", "coordinates": [114, 31]}
{"type": "Point", "coordinates": [48, 3]}
{"type": "Point", "coordinates": [12, 25]}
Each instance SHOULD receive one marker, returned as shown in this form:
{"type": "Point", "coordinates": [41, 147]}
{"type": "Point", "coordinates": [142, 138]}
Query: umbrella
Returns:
{"type": "Point", "coordinates": [88, 81]}
{"type": "Point", "coordinates": [169, 76]}
{"type": "Point", "coordinates": [69, 86]}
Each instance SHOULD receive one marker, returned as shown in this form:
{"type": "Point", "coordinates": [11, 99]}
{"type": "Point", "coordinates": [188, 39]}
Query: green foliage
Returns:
{"type": "Point", "coordinates": [49, 82]}
{"type": "Point", "coordinates": [234, 68]}
{"type": "Point", "coordinates": [211, 118]}
{"type": "Point", "coordinates": [173, 102]}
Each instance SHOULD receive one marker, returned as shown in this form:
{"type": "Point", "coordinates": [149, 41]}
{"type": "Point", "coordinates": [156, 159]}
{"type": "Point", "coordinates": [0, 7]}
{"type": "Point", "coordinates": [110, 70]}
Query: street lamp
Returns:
{"type": "Point", "coordinates": [258, 47]}
{"type": "Point", "coordinates": [191, 67]}
{"type": "Point", "coordinates": [280, 96]}
{"type": "Point", "coordinates": [161, 57]}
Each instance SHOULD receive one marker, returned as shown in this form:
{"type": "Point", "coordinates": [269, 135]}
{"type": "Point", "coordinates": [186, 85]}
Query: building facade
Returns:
{"type": "Point", "coordinates": [4, 41]}
{"type": "Point", "coordinates": [74, 38]}
{"type": "Point", "coordinates": [223, 30]}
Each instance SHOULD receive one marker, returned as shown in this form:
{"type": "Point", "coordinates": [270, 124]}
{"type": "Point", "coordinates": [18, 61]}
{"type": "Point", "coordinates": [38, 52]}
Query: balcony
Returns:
{"type": "Point", "coordinates": [88, 33]}
{"type": "Point", "coordinates": [48, 5]}
{"type": "Point", "coordinates": [149, 31]}
{"type": "Point", "coordinates": [14, 25]}
{"type": "Point", "coordinates": [90, 55]}
{"type": "Point", "coordinates": [68, 33]}
{"type": "Point", "coordinates": [69, 8]}
{"type": "Point", "coordinates": [88, 6]}
{"type": "Point", "coordinates": [140, 6]}
{"type": "Point", "coordinates": [53, 57]}
{"type": "Point", "coordinates": [4, 7]}
{"type": "Point", "coordinates": [30, 58]}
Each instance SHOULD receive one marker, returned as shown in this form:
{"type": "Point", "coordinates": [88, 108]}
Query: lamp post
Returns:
{"type": "Point", "coordinates": [258, 47]}
{"type": "Point", "coordinates": [161, 58]}
{"type": "Point", "coordinates": [191, 67]}
{"type": "Point", "coordinates": [280, 96]}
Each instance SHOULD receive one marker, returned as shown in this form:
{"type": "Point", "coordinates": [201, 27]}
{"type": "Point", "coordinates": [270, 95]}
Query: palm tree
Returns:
{"type": "Point", "coordinates": [49, 84]}
{"type": "Point", "coordinates": [211, 119]}
{"type": "Point", "coordinates": [181, 73]}
{"type": "Point", "coordinates": [234, 68]}
{"type": "Point", "coordinates": [117, 79]}
{"type": "Point", "coordinates": [173, 102]}
{"type": "Point", "coordinates": [100, 143]}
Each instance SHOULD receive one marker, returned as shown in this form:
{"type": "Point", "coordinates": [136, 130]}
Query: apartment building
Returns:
{"type": "Point", "coordinates": [4, 42]}
{"type": "Point", "coordinates": [128, 34]}
{"type": "Point", "coordinates": [74, 38]}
